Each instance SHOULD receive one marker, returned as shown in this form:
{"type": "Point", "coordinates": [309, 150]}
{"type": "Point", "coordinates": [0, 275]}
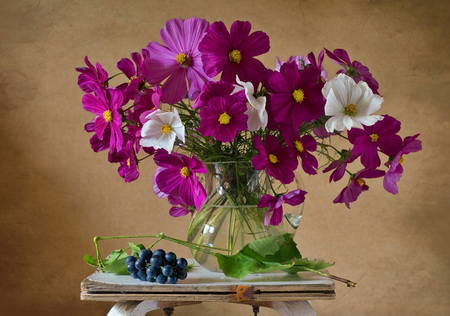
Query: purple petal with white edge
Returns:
{"type": "Point", "coordinates": [169, 180]}
{"type": "Point", "coordinates": [156, 189]}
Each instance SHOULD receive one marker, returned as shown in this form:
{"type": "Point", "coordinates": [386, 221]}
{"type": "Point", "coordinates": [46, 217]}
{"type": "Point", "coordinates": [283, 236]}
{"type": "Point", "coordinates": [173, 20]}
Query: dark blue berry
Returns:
{"type": "Point", "coordinates": [140, 264]}
{"type": "Point", "coordinates": [142, 275]}
{"type": "Point", "coordinates": [130, 259]}
{"type": "Point", "coordinates": [182, 263]}
{"type": "Point", "coordinates": [182, 274]}
{"type": "Point", "coordinates": [134, 275]}
{"type": "Point", "coordinates": [131, 268]}
{"type": "Point", "coordinates": [153, 271]}
{"type": "Point", "coordinates": [167, 270]}
{"type": "Point", "coordinates": [145, 254]}
{"type": "Point", "coordinates": [161, 279]}
{"type": "Point", "coordinates": [170, 257]}
{"type": "Point", "coordinates": [151, 278]}
{"type": "Point", "coordinates": [159, 252]}
{"type": "Point", "coordinates": [156, 260]}
{"type": "Point", "coordinates": [172, 279]}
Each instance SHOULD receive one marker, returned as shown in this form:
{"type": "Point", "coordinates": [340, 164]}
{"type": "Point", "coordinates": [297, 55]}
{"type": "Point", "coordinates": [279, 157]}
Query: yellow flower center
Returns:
{"type": "Point", "coordinates": [134, 77]}
{"type": "Point", "coordinates": [360, 181]}
{"type": "Point", "coordinates": [183, 60]}
{"type": "Point", "coordinates": [185, 172]}
{"type": "Point", "coordinates": [298, 145]}
{"type": "Point", "coordinates": [273, 158]}
{"type": "Point", "coordinates": [224, 118]}
{"type": "Point", "coordinates": [401, 160]}
{"type": "Point", "coordinates": [128, 162]}
{"type": "Point", "coordinates": [322, 79]}
{"type": "Point", "coordinates": [166, 129]}
{"type": "Point", "coordinates": [235, 56]}
{"type": "Point", "coordinates": [350, 109]}
{"type": "Point", "coordinates": [298, 95]}
{"type": "Point", "coordinates": [373, 137]}
{"type": "Point", "coordinates": [107, 115]}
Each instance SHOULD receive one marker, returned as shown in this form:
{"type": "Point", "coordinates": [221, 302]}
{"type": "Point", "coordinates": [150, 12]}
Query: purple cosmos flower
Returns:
{"type": "Point", "coordinates": [296, 95]}
{"type": "Point", "coordinates": [279, 162]}
{"type": "Point", "coordinates": [303, 146]}
{"type": "Point", "coordinates": [383, 135]}
{"type": "Point", "coordinates": [179, 174]}
{"type": "Point", "coordinates": [91, 76]}
{"type": "Point", "coordinates": [410, 145]}
{"type": "Point", "coordinates": [128, 167]}
{"type": "Point", "coordinates": [357, 185]}
{"type": "Point", "coordinates": [179, 208]}
{"type": "Point", "coordinates": [213, 89]}
{"type": "Point", "coordinates": [232, 53]}
{"type": "Point", "coordinates": [179, 60]}
{"type": "Point", "coordinates": [138, 76]}
{"type": "Point", "coordinates": [354, 69]}
{"type": "Point", "coordinates": [223, 118]}
{"type": "Point", "coordinates": [275, 205]}
{"type": "Point", "coordinates": [340, 165]}
{"type": "Point", "coordinates": [305, 62]}
{"type": "Point", "coordinates": [98, 145]}
{"type": "Point", "coordinates": [105, 104]}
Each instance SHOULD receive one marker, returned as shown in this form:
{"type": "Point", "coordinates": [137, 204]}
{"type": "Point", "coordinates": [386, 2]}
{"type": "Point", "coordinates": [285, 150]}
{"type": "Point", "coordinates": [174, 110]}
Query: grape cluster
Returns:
{"type": "Point", "coordinates": [157, 266]}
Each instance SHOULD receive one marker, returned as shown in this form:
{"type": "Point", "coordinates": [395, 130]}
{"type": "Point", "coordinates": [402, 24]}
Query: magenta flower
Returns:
{"type": "Point", "coordinates": [275, 205]}
{"type": "Point", "coordinates": [296, 95]}
{"type": "Point", "coordinates": [128, 167]}
{"type": "Point", "coordinates": [382, 135]}
{"type": "Point", "coordinates": [354, 69]}
{"type": "Point", "coordinates": [138, 75]}
{"type": "Point", "coordinates": [212, 89]}
{"type": "Point", "coordinates": [232, 53]}
{"type": "Point", "coordinates": [105, 104]}
{"type": "Point", "coordinates": [394, 174]}
{"type": "Point", "coordinates": [340, 165]}
{"type": "Point", "coordinates": [98, 145]}
{"type": "Point", "coordinates": [357, 185]}
{"type": "Point", "coordinates": [223, 118]}
{"type": "Point", "coordinates": [96, 76]}
{"type": "Point", "coordinates": [180, 174]}
{"type": "Point", "coordinates": [303, 146]}
{"type": "Point", "coordinates": [179, 60]}
{"type": "Point", "coordinates": [279, 162]}
{"type": "Point", "coordinates": [179, 207]}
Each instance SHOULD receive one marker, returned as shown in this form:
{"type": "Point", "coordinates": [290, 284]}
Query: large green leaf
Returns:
{"type": "Point", "coordinates": [279, 248]}
{"type": "Point", "coordinates": [135, 249]}
{"type": "Point", "coordinates": [116, 262]}
{"type": "Point", "coordinates": [90, 260]}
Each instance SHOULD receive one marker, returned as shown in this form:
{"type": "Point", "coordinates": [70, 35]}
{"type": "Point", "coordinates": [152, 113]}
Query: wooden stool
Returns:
{"type": "Point", "coordinates": [288, 294]}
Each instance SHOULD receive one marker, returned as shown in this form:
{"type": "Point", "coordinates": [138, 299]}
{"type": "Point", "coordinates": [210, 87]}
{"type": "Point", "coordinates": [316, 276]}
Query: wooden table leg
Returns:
{"type": "Point", "coordinates": [293, 308]}
{"type": "Point", "coordinates": [142, 308]}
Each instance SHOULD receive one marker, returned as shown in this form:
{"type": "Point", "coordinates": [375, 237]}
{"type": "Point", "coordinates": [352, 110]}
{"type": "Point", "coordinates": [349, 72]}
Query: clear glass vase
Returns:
{"type": "Point", "coordinates": [230, 217]}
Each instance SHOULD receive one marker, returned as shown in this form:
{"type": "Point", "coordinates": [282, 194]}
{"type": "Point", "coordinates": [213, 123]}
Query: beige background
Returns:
{"type": "Point", "coordinates": [56, 194]}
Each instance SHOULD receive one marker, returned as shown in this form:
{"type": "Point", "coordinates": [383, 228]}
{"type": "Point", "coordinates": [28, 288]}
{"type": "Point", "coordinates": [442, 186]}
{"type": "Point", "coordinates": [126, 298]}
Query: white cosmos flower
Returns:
{"type": "Point", "coordinates": [350, 104]}
{"type": "Point", "coordinates": [161, 129]}
{"type": "Point", "coordinates": [256, 107]}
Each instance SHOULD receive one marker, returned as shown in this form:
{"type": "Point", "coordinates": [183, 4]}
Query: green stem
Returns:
{"type": "Point", "coordinates": [328, 275]}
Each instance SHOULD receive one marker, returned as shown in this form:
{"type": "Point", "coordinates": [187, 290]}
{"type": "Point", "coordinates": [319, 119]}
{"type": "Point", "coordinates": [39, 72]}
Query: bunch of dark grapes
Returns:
{"type": "Point", "coordinates": [157, 266]}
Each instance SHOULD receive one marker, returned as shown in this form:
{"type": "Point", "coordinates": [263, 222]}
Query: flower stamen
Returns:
{"type": "Point", "coordinates": [298, 95]}
{"type": "Point", "coordinates": [224, 119]}
{"type": "Point", "coordinates": [183, 60]}
{"type": "Point", "coordinates": [235, 56]}
{"type": "Point", "coordinates": [373, 137]}
{"type": "Point", "coordinates": [107, 115]}
{"type": "Point", "coordinates": [185, 172]}
{"type": "Point", "coordinates": [134, 77]}
{"type": "Point", "coordinates": [401, 160]}
{"type": "Point", "coordinates": [273, 158]}
{"type": "Point", "coordinates": [298, 145]}
{"type": "Point", "coordinates": [350, 109]}
{"type": "Point", "coordinates": [360, 181]}
{"type": "Point", "coordinates": [166, 129]}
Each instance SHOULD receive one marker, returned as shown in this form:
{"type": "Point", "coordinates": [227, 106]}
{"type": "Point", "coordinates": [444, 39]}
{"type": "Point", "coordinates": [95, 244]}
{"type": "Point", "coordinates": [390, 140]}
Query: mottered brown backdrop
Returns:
{"type": "Point", "coordinates": [56, 194]}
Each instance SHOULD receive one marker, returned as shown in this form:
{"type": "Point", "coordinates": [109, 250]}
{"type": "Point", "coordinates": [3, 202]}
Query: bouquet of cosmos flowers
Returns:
{"type": "Point", "coordinates": [203, 96]}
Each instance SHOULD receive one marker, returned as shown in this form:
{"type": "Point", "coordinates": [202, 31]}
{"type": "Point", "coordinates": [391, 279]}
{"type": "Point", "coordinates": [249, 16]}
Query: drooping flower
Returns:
{"type": "Point", "coordinates": [349, 104]}
{"type": "Point", "coordinates": [275, 205]}
{"type": "Point", "coordinates": [128, 167]}
{"type": "Point", "coordinates": [354, 69]}
{"type": "Point", "coordinates": [256, 107]}
{"type": "Point", "coordinates": [232, 53]}
{"type": "Point", "coordinates": [279, 162]}
{"type": "Point", "coordinates": [382, 135]}
{"type": "Point", "coordinates": [179, 60]}
{"type": "Point", "coordinates": [305, 62]}
{"type": "Point", "coordinates": [410, 145]}
{"type": "Point", "coordinates": [303, 146]}
{"type": "Point", "coordinates": [105, 104]}
{"type": "Point", "coordinates": [296, 95]}
{"type": "Point", "coordinates": [357, 185]}
{"type": "Point", "coordinates": [223, 118]}
{"type": "Point", "coordinates": [179, 207]}
{"type": "Point", "coordinates": [138, 75]}
{"type": "Point", "coordinates": [340, 165]}
{"type": "Point", "coordinates": [180, 174]}
{"type": "Point", "coordinates": [161, 129]}
{"type": "Point", "coordinates": [96, 76]}
{"type": "Point", "coordinates": [98, 145]}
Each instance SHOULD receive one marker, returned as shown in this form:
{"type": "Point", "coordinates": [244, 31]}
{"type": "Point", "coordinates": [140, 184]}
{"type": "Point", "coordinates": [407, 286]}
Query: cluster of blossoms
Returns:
{"type": "Point", "coordinates": [172, 108]}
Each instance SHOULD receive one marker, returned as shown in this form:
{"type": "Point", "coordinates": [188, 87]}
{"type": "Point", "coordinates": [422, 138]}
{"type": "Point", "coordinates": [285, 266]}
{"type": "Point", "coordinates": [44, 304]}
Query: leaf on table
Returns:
{"type": "Point", "coordinates": [314, 264]}
{"type": "Point", "coordinates": [279, 248]}
{"type": "Point", "coordinates": [90, 260]}
{"type": "Point", "coordinates": [116, 262]}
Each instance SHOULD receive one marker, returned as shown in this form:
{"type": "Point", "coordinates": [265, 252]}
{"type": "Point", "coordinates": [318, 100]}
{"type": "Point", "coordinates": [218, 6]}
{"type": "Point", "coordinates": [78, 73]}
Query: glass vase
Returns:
{"type": "Point", "coordinates": [230, 217]}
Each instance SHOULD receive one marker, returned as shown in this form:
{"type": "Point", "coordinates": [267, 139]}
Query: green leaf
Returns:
{"type": "Point", "coordinates": [279, 248]}
{"type": "Point", "coordinates": [301, 264]}
{"type": "Point", "coordinates": [90, 260]}
{"type": "Point", "coordinates": [190, 267]}
{"type": "Point", "coordinates": [135, 249]}
{"type": "Point", "coordinates": [116, 262]}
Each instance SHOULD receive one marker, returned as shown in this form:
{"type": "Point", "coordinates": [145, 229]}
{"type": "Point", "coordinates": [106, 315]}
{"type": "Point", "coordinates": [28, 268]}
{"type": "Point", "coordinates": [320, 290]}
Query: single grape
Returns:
{"type": "Point", "coordinates": [142, 275]}
{"type": "Point", "coordinates": [140, 264]}
{"type": "Point", "coordinates": [170, 257]}
{"type": "Point", "coordinates": [151, 278]}
{"type": "Point", "coordinates": [172, 279]}
{"type": "Point", "coordinates": [134, 275]}
{"type": "Point", "coordinates": [153, 271]}
{"type": "Point", "coordinates": [131, 268]}
{"type": "Point", "coordinates": [159, 252]}
{"type": "Point", "coordinates": [161, 279]}
{"type": "Point", "coordinates": [156, 260]}
{"type": "Point", "coordinates": [182, 274]}
{"type": "Point", "coordinates": [182, 263]}
{"type": "Point", "coordinates": [167, 270]}
{"type": "Point", "coordinates": [130, 259]}
{"type": "Point", "coordinates": [145, 254]}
